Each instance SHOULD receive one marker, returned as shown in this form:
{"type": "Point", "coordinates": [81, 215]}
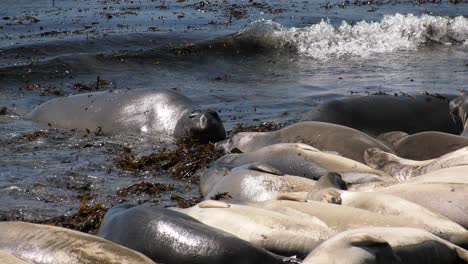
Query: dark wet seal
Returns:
{"type": "Point", "coordinates": [172, 237]}
{"type": "Point", "coordinates": [181, 163]}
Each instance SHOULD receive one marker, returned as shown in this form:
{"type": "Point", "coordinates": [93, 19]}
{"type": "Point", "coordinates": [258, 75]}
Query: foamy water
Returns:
{"type": "Point", "coordinates": [362, 39]}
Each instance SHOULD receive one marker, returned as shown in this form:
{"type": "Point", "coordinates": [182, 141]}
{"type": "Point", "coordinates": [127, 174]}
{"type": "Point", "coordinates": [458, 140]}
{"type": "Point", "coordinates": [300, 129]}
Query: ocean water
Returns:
{"type": "Point", "coordinates": [252, 61]}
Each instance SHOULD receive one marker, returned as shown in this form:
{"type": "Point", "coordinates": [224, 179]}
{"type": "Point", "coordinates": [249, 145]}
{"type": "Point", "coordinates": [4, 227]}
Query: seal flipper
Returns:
{"type": "Point", "coordinates": [366, 240]}
{"type": "Point", "coordinates": [327, 188]}
{"type": "Point", "coordinates": [462, 254]}
{"type": "Point", "coordinates": [261, 167]}
{"type": "Point", "coordinates": [213, 204]}
{"type": "Point", "coordinates": [331, 180]}
{"type": "Point", "coordinates": [290, 197]}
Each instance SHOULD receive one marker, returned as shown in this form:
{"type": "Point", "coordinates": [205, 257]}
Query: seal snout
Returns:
{"type": "Point", "coordinates": [206, 125]}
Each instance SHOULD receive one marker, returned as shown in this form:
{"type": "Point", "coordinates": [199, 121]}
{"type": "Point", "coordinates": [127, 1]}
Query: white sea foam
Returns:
{"type": "Point", "coordinates": [393, 33]}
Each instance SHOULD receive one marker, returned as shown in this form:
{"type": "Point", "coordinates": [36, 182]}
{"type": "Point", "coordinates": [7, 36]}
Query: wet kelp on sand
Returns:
{"type": "Point", "coordinates": [181, 163]}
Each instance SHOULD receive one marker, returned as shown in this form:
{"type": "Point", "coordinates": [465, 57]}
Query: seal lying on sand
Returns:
{"type": "Point", "coordinates": [340, 218]}
{"type": "Point", "coordinates": [51, 245]}
{"type": "Point", "coordinates": [385, 245]}
{"type": "Point", "coordinates": [424, 145]}
{"type": "Point", "coordinates": [168, 236]}
{"type": "Point", "coordinates": [459, 110]}
{"type": "Point", "coordinates": [302, 160]}
{"type": "Point", "coordinates": [251, 183]}
{"type": "Point", "coordinates": [376, 114]}
{"type": "Point", "coordinates": [447, 199]}
{"type": "Point", "coordinates": [145, 110]}
{"type": "Point", "coordinates": [274, 231]}
{"type": "Point", "coordinates": [458, 174]}
{"type": "Point", "coordinates": [404, 169]}
{"type": "Point", "coordinates": [348, 142]}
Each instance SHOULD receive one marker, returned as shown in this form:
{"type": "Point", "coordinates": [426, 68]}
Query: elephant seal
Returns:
{"type": "Point", "coordinates": [424, 145]}
{"type": "Point", "coordinates": [449, 175]}
{"type": "Point", "coordinates": [404, 169]}
{"type": "Point", "coordinates": [51, 245]}
{"type": "Point", "coordinates": [340, 218]}
{"type": "Point", "coordinates": [8, 258]}
{"type": "Point", "coordinates": [168, 236]}
{"type": "Point", "coordinates": [385, 245]}
{"type": "Point", "coordinates": [385, 204]}
{"type": "Point", "coordinates": [377, 114]}
{"type": "Point", "coordinates": [459, 109]}
{"type": "Point", "coordinates": [346, 141]}
{"type": "Point", "coordinates": [447, 199]}
{"type": "Point", "coordinates": [142, 110]}
{"type": "Point", "coordinates": [252, 183]}
{"type": "Point", "coordinates": [302, 160]}
{"type": "Point", "coordinates": [271, 230]}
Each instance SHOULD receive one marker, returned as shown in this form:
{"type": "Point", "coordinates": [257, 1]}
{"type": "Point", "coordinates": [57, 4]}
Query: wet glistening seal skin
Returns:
{"type": "Point", "coordinates": [145, 110]}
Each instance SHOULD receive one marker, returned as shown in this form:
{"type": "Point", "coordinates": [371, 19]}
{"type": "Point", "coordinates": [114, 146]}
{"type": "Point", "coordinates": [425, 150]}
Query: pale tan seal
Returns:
{"type": "Point", "coordinates": [252, 183]}
{"type": "Point", "coordinates": [341, 217]}
{"type": "Point", "coordinates": [447, 199]}
{"type": "Point", "coordinates": [387, 245]}
{"type": "Point", "coordinates": [404, 169]}
{"type": "Point", "coordinates": [271, 230]}
{"type": "Point", "coordinates": [8, 258]}
{"type": "Point", "coordinates": [51, 245]}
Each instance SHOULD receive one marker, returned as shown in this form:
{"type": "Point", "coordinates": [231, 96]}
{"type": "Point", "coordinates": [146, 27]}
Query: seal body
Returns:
{"type": "Point", "coordinates": [459, 111]}
{"type": "Point", "coordinates": [447, 199]}
{"type": "Point", "coordinates": [345, 141]}
{"type": "Point", "coordinates": [391, 205]}
{"type": "Point", "coordinates": [456, 174]}
{"type": "Point", "coordinates": [305, 161]}
{"type": "Point", "coordinates": [168, 236]}
{"type": "Point", "coordinates": [424, 145]}
{"type": "Point", "coordinates": [404, 169]}
{"type": "Point", "coordinates": [376, 114]}
{"type": "Point", "coordinates": [251, 183]}
{"type": "Point", "coordinates": [341, 218]}
{"type": "Point", "coordinates": [144, 110]}
{"type": "Point", "coordinates": [387, 245]}
{"type": "Point", "coordinates": [274, 231]}
{"type": "Point", "coordinates": [51, 245]}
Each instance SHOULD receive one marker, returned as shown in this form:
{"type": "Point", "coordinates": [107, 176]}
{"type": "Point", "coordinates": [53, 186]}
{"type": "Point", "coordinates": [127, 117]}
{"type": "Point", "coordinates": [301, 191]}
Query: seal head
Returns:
{"type": "Point", "coordinates": [459, 111]}
{"type": "Point", "coordinates": [204, 125]}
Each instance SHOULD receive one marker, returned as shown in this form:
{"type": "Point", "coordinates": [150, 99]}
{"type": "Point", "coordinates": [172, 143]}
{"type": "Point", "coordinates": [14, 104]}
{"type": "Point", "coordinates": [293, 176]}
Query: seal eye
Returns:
{"type": "Point", "coordinates": [192, 115]}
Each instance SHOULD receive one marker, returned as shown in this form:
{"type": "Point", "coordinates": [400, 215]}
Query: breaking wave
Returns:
{"type": "Point", "coordinates": [393, 33]}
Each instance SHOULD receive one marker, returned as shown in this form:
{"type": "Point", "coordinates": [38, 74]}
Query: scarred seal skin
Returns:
{"type": "Point", "coordinates": [141, 110]}
{"type": "Point", "coordinates": [45, 244]}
